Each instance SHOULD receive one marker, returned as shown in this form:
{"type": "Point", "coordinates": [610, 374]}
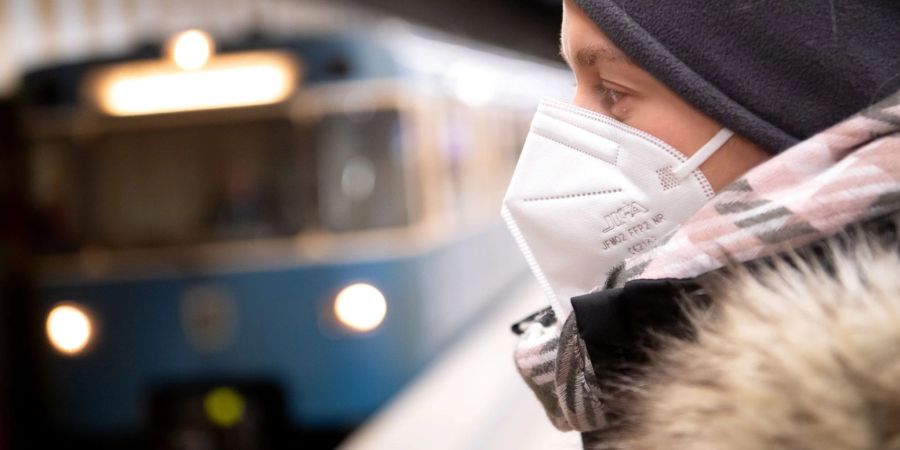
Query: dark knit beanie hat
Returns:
{"type": "Point", "coordinates": [774, 71]}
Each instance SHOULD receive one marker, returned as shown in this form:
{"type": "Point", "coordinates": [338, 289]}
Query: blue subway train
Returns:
{"type": "Point", "coordinates": [240, 240]}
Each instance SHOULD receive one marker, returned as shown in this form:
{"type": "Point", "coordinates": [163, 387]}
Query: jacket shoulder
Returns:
{"type": "Point", "coordinates": [798, 353]}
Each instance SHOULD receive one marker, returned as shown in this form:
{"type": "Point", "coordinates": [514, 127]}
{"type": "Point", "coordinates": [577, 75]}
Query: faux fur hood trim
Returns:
{"type": "Point", "coordinates": [798, 355]}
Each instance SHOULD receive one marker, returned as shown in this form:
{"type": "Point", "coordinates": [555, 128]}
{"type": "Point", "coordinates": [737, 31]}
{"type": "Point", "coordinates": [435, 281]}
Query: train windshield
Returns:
{"type": "Point", "coordinates": [229, 180]}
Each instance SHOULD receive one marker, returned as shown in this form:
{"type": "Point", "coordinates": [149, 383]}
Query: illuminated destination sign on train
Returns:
{"type": "Point", "coordinates": [225, 81]}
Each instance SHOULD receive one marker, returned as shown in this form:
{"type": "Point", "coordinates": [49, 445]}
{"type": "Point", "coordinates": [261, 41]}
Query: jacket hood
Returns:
{"type": "Point", "coordinates": [800, 354]}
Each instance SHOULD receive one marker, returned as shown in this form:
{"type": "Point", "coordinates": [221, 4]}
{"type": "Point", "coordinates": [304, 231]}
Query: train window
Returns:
{"type": "Point", "coordinates": [212, 182]}
{"type": "Point", "coordinates": [471, 145]}
{"type": "Point", "coordinates": [363, 172]}
{"type": "Point", "coordinates": [53, 196]}
{"type": "Point", "coordinates": [234, 180]}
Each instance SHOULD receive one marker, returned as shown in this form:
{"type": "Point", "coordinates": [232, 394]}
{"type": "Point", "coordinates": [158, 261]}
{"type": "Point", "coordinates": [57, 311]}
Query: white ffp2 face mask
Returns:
{"type": "Point", "coordinates": [589, 192]}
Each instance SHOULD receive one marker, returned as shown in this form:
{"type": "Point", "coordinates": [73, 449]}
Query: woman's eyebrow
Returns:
{"type": "Point", "coordinates": [589, 56]}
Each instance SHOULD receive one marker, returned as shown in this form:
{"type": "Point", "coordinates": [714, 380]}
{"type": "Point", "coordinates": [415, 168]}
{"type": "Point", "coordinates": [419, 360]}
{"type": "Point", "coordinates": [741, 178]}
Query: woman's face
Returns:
{"type": "Point", "coordinates": [608, 82]}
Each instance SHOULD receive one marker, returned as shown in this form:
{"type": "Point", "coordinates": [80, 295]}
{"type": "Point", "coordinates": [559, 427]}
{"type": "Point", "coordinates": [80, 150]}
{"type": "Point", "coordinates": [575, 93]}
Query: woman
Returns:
{"type": "Point", "coordinates": [713, 221]}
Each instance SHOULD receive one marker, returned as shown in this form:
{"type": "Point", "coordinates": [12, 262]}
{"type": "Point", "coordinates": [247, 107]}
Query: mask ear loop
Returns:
{"type": "Point", "coordinates": [703, 154]}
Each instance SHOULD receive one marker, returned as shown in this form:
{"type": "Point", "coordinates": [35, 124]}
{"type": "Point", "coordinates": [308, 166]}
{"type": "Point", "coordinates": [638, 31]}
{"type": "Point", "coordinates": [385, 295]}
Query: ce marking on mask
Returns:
{"type": "Point", "coordinates": [622, 220]}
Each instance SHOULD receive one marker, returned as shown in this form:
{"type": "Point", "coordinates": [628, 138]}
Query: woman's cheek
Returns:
{"type": "Point", "coordinates": [620, 110]}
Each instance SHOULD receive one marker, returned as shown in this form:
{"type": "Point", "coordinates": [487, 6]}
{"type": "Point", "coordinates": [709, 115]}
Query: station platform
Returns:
{"type": "Point", "coordinates": [471, 397]}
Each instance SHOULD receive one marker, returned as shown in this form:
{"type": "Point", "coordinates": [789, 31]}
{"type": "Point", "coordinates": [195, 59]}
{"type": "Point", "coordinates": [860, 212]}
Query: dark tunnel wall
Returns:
{"type": "Point", "coordinates": [528, 26]}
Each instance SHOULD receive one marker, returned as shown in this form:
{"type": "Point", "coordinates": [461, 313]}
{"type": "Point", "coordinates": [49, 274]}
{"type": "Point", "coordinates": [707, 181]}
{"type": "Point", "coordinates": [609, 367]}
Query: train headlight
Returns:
{"type": "Point", "coordinates": [360, 307]}
{"type": "Point", "coordinates": [69, 328]}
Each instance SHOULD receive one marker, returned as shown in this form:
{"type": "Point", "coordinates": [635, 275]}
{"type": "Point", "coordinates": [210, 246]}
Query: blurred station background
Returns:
{"type": "Point", "coordinates": [266, 224]}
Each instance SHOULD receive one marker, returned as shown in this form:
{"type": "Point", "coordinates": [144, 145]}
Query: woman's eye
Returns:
{"type": "Point", "coordinates": [610, 96]}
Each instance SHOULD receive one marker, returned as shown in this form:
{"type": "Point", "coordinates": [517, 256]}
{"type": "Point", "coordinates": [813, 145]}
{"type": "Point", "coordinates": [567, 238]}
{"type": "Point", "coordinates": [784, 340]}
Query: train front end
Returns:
{"type": "Point", "coordinates": [258, 247]}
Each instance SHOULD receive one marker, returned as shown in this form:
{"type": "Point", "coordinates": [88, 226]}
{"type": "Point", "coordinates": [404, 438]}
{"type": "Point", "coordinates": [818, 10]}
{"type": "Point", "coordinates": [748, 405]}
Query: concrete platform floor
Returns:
{"type": "Point", "coordinates": [471, 398]}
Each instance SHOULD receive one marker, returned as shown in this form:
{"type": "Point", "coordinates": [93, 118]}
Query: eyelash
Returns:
{"type": "Point", "coordinates": [609, 97]}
